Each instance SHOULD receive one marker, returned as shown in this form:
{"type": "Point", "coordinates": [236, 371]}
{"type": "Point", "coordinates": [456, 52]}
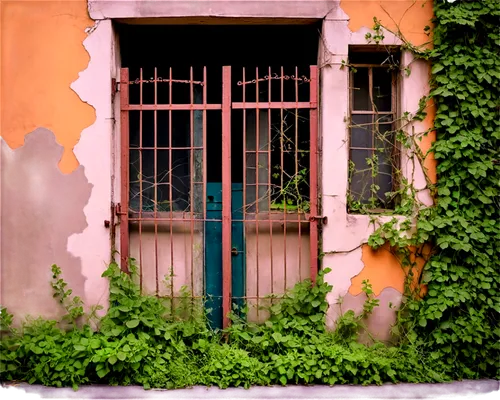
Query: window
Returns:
{"type": "Point", "coordinates": [373, 153]}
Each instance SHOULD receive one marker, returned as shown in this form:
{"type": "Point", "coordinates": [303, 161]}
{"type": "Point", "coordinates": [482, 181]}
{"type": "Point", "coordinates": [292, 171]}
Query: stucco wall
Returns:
{"type": "Point", "coordinates": [48, 201]}
{"type": "Point", "coordinates": [56, 68]}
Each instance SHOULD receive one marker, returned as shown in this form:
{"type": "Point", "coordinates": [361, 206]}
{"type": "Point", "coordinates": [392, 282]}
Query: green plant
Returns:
{"type": "Point", "coordinates": [456, 324]}
{"type": "Point", "coordinates": [291, 197]}
{"type": "Point", "coordinates": [349, 325]}
{"type": "Point", "coordinates": [142, 341]}
{"type": "Point", "coordinates": [72, 305]}
{"type": "Point", "coordinates": [452, 333]}
{"type": "Point", "coordinates": [458, 320]}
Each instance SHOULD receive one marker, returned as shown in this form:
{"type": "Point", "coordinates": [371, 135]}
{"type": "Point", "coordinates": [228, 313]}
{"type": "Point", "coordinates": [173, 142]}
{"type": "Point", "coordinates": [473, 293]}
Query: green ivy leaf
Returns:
{"type": "Point", "coordinates": [132, 323]}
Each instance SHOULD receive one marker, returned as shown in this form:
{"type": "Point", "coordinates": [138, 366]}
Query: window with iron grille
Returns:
{"type": "Point", "coordinates": [373, 151]}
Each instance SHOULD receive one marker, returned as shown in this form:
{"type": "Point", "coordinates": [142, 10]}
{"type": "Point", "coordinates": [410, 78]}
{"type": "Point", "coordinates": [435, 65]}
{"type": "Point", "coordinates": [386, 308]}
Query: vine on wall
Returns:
{"type": "Point", "coordinates": [457, 322]}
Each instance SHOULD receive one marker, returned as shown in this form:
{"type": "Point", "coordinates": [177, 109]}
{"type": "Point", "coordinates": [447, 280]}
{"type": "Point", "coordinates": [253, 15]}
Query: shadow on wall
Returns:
{"type": "Point", "coordinates": [41, 209]}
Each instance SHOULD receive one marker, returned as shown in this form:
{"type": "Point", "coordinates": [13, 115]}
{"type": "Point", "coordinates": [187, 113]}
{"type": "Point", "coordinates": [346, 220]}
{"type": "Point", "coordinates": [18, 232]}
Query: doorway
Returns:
{"type": "Point", "coordinates": [219, 177]}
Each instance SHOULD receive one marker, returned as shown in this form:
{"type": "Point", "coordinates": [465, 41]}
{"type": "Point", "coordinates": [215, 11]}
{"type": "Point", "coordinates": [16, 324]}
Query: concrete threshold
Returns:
{"type": "Point", "coordinates": [478, 389]}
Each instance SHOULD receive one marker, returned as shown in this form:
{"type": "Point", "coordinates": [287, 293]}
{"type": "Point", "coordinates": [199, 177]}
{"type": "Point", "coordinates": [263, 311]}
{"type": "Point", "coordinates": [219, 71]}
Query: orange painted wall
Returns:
{"type": "Point", "coordinates": [383, 269]}
{"type": "Point", "coordinates": [41, 55]}
{"type": "Point", "coordinates": [409, 16]}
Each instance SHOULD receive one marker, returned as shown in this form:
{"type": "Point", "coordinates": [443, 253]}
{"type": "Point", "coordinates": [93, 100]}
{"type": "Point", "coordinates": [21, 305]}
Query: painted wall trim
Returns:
{"type": "Point", "coordinates": [102, 9]}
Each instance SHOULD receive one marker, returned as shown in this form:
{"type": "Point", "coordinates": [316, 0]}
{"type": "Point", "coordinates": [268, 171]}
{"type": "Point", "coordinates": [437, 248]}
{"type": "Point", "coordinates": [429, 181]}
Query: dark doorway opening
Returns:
{"type": "Point", "coordinates": [258, 49]}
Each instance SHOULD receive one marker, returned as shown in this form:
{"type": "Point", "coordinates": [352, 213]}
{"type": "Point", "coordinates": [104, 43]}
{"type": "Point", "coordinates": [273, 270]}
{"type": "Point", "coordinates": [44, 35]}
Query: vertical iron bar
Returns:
{"type": "Point", "coordinates": [244, 216]}
{"type": "Point", "coordinates": [140, 178]}
{"type": "Point", "coordinates": [297, 167]}
{"type": "Point", "coordinates": [204, 144]}
{"type": "Point", "coordinates": [124, 170]}
{"type": "Point", "coordinates": [192, 184]}
{"type": "Point", "coordinates": [269, 188]}
{"type": "Point", "coordinates": [244, 150]}
{"type": "Point", "coordinates": [313, 178]}
{"type": "Point", "coordinates": [156, 177]}
{"type": "Point", "coordinates": [282, 177]}
{"type": "Point", "coordinates": [170, 198]}
{"type": "Point", "coordinates": [226, 194]}
{"type": "Point", "coordinates": [257, 157]}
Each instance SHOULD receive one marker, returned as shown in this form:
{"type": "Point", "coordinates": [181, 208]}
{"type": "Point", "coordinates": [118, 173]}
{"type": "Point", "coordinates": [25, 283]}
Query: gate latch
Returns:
{"type": "Point", "coordinates": [321, 219]}
{"type": "Point", "coordinates": [119, 211]}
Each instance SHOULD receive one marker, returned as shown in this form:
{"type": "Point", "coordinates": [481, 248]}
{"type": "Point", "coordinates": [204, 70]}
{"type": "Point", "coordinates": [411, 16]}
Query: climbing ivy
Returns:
{"type": "Point", "coordinates": [457, 321]}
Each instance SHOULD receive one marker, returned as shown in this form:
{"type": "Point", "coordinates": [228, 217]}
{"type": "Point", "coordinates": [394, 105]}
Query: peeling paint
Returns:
{"type": "Point", "coordinates": [40, 63]}
{"type": "Point", "coordinates": [409, 17]}
{"type": "Point", "coordinates": [383, 317]}
{"type": "Point", "coordinates": [41, 208]}
{"type": "Point", "coordinates": [384, 270]}
{"type": "Point", "coordinates": [381, 268]}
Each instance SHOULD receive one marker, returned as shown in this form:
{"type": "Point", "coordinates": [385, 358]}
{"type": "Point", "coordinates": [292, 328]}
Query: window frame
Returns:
{"type": "Point", "coordinates": [395, 113]}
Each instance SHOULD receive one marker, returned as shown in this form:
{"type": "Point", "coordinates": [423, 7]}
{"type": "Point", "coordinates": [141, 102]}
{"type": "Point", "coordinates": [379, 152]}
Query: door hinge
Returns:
{"type": "Point", "coordinates": [115, 86]}
{"type": "Point", "coordinates": [118, 210]}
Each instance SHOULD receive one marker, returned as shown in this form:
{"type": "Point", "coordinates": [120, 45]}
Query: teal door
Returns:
{"type": "Point", "coordinates": [213, 250]}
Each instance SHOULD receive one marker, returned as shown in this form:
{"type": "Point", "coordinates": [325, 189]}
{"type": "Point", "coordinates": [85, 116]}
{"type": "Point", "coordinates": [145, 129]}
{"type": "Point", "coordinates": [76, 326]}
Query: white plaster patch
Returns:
{"type": "Point", "coordinates": [94, 152]}
{"type": "Point", "coordinates": [344, 267]}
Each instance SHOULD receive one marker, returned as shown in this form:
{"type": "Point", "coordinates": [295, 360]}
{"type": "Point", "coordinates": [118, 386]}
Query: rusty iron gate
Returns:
{"type": "Point", "coordinates": [219, 188]}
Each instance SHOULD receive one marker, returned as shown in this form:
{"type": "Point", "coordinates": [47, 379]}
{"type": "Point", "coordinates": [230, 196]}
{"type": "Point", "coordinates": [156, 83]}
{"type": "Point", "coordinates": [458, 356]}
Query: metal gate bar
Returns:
{"type": "Point", "coordinates": [313, 179]}
{"type": "Point", "coordinates": [164, 226]}
{"type": "Point", "coordinates": [122, 210]}
{"type": "Point", "coordinates": [226, 195]}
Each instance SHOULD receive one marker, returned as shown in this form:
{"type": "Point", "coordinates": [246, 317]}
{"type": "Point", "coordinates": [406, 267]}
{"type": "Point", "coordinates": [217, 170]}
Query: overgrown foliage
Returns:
{"type": "Point", "coordinates": [457, 323]}
{"type": "Point", "coordinates": [140, 341]}
{"type": "Point", "coordinates": [452, 333]}
{"type": "Point", "coordinates": [458, 320]}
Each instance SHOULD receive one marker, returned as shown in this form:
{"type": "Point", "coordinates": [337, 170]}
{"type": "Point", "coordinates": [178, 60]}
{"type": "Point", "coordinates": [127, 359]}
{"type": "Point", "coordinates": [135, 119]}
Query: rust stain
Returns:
{"type": "Point", "coordinates": [42, 54]}
{"type": "Point", "coordinates": [409, 16]}
{"type": "Point", "coordinates": [383, 269]}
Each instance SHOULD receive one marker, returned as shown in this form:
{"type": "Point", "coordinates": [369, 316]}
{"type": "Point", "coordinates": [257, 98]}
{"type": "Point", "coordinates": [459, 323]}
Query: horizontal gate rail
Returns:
{"type": "Point", "coordinates": [274, 105]}
{"type": "Point", "coordinates": [171, 107]}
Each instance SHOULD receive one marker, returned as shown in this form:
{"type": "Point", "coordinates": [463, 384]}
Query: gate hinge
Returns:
{"type": "Point", "coordinates": [118, 210]}
{"type": "Point", "coordinates": [115, 86]}
{"type": "Point", "coordinates": [319, 218]}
